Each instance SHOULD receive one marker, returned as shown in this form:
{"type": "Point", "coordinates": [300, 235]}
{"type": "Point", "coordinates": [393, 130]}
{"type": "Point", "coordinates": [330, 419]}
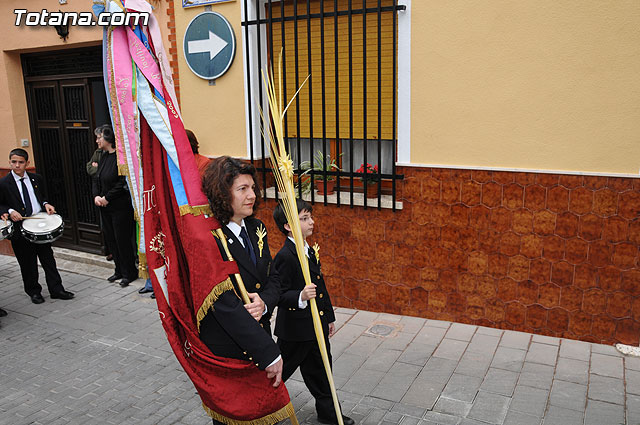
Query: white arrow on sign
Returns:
{"type": "Point", "coordinates": [213, 45]}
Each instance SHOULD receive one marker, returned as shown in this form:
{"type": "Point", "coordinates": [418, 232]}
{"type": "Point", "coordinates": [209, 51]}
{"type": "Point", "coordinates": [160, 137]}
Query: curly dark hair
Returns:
{"type": "Point", "coordinates": [217, 181]}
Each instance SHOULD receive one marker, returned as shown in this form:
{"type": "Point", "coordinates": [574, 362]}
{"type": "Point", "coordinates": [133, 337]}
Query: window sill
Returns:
{"type": "Point", "coordinates": [345, 199]}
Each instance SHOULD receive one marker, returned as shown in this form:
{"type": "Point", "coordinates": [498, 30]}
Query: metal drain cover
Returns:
{"type": "Point", "coordinates": [384, 330]}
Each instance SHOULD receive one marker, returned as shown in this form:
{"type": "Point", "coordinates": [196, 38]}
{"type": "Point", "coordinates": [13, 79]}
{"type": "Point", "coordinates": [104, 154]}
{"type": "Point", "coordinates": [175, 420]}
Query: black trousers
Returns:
{"type": "Point", "coordinates": [118, 229]}
{"type": "Point", "coordinates": [27, 254]}
{"type": "Point", "coordinates": [306, 355]}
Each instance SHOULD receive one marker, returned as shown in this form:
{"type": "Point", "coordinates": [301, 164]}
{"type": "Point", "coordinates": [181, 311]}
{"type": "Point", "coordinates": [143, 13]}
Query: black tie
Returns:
{"type": "Point", "coordinates": [311, 253]}
{"type": "Point", "coordinates": [26, 197]}
{"type": "Point", "coordinates": [247, 245]}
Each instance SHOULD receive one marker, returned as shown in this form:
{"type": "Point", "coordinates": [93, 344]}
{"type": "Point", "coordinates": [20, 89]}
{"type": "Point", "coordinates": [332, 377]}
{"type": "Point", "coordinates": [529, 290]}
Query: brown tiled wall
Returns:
{"type": "Point", "coordinates": [543, 253]}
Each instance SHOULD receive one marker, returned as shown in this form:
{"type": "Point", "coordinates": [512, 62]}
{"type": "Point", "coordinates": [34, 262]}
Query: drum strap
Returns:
{"type": "Point", "coordinates": [26, 197]}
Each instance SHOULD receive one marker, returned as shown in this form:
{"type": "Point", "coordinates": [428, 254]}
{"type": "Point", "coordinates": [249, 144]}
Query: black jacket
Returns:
{"type": "Point", "coordinates": [293, 323]}
{"type": "Point", "coordinates": [109, 184]}
{"type": "Point", "coordinates": [10, 195]}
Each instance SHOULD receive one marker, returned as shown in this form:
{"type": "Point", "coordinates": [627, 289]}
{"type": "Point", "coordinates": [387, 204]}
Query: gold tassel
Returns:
{"type": "Point", "coordinates": [142, 265]}
{"type": "Point", "coordinates": [195, 209]}
{"type": "Point", "coordinates": [286, 412]}
{"type": "Point", "coordinates": [123, 170]}
{"type": "Point", "coordinates": [219, 289]}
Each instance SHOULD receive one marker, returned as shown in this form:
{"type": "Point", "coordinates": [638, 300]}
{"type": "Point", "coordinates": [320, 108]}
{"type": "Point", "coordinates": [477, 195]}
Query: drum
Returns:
{"type": "Point", "coordinates": [6, 229]}
{"type": "Point", "coordinates": [42, 228]}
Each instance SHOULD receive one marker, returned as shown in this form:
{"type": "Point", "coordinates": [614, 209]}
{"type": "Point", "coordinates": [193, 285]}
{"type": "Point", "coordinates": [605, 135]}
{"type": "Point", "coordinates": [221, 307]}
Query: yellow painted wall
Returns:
{"type": "Point", "coordinates": [216, 114]}
{"type": "Point", "coordinates": [544, 84]}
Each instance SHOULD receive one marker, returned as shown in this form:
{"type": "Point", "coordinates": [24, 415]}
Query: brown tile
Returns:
{"type": "Point", "coordinates": [384, 293]}
{"type": "Point", "coordinates": [610, 279]}
{"type": "Point", "coordinates": [410, 276]}
{"type": "Point", "coordinates": [562, 273]}
{"type": "Point", "coordinates": [629, 204]}
{"type": "Point", "coordinates": [631, 282]}
{"type": "Point", "coordinates": [595, 182]}
{"type": "Point", "coordinates": [491, 194]}
{"type": "Point", "coordinates": [620, 184]}
{"type": "Point", "coordinates": [478, 262]}
{"type": "Point", "coordinates": [441, 213]}
{"type": "Point", "coordinates": [427, 236]}
{"type": "Point", "coordinates": [471, 193]}
{"type": "Point", "coordinates": [404, 255]}
{"type": "Point", "coordinates": [466, 283]}
{"type": "Point", "coordinates": [531, 246]}
{"type": "Point", "coordinates": [486, 286]}
{"type": "Point", "coordinates": [591, 227]}
{"type": "Point", "coordinates": [342, 228]}
{"type": "Point", "coordinates": [359, 227]}
{"type": "Point", "coordinates": [586, 276]}
{"type": "Point", "coordinates": [351, 289]}
{"type": "Point", "coordinates": [441, 173]}
{"type": "Point", "coordinates": [571, 298]}
{"type": "Point", "coordinates": [489, 240]}
{"type": "Point", "coordinates": [635, 308]}
{"type": "Point", "coordinates": [494, 310]}
{"type": "Point", "coordinates": [540, 271]}
{"type": "Point", "coordinates": [448, 281]}
{"type": "Point", "coordinates": [480, 217]}
{"type": "Point", "coordinates": [605, 202]}
{"type": "Point", "coordinates": [437, 301]}
{"type": "Point", "coordinates": [634, 231]}
{"type": "Point", "coordinates": [367, 291]}
{"type": "Point", "coordinates": [375, 230]}
{"type": "Point", "coordinates": [461, 175]}
{"type": "Point", "coordinates": [459, 215]}
{"type": "Point", "coordinates": [536, 316]}
{"type": "Point", "coordinates": [459, 260]}
{"type": "Point", "coordinates": [350, 247]}
{"type": "Point", "coordinates": [420, 298]}
{"type": "Point", "coordinates": [571, 181]}
{"type": "Point", "coordinates": [558, 199]}
{"type": "Point", "coordinates": [594, 301]}
{"type": "Point", "coordinates": [456, 303]}
{"type": "Point", "coordinates": [525, 179]}
{"type": "Point", "coordinates": [547, 180]}
{"type": "Point", "coordinates": [558, 320]}
{"type": "Point", "coordinates": [411, 188]}
{"type": "Point", "coordinates": [576, 250]}
{"type": "Point", "coordinates": [599, 253]}
{"type": "Point", "coordinates": [481, 176]}
{"type": "Point", "coordinates": [513, 196]}
{"type": "Point", "coordinates": [429, 278]}
{"type": "Point", "coordinates": [422, 213]}
{"type": "Point", "coordinates": [625, 255]}
{"type": "Point", "coordinates": [509, 244]}
{"type": "Point", "coordinates": [401, 296]}
{"type": "Point", "coordinates": [378, 272]}
{"type": "Point", "coordinates": [507, 289]}
{"type": "Point", "coordinates": [503, 177]}
{"type": "Point", "coordinates": [603, 326]}
{"type": "Point", "coordinates": [439, 258]}
{"type": "Point", "coordinates": [413, 234]}
{"type": "Point", "coordinates": [628, 331]}
{"type": "Point", "coordinates": [519, 267]}
{"type": "Point", "coordinates": [581, 200]}
{"type": "Point", "coordinates": [616, 229]}
{"type": "Point", "coordinates": [549, 295]}
{"type": "Point", "coordinates": [618, 305]}
{"type": "Point", "coordinates": [544, 222]}
{"type": "Point", "coordinates": [553, 248]}
{"type": "Point", "coordinates": [515, 313]}
{"type": "Point", "coordinates": [580, 323]}
{"type": "Point", "coordinates": [501, 219]}
{"type": "Point", "coordinates": [527, 292]}
{"type": "Point", "coordinates": [431, 190]}
{"type": "Point", "coordinates": [473, 311]}
{"type": "Point", "coordinates": [522, 221]}
{"type": "Point", "coordinates": [498, 265]}
{"type": "Point", "coordinates": [450, 191]}
{"type": "Point", "coordinates": [535, 197]}
{"type": "Point", "coordinates": [567, 225]}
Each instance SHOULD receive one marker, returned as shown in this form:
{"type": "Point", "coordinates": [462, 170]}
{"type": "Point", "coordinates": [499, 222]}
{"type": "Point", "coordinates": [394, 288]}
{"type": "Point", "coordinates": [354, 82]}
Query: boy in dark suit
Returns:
{"type": "Point", "coordinates": [22, 195]}
{"type": "Point", "coordinates": [294, 324]}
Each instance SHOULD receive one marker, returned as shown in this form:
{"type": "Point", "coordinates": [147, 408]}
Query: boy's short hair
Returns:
{"type": "Point", "coordinates": [20, 152]}
{"type": "Point", "coordinates": [281, 219]}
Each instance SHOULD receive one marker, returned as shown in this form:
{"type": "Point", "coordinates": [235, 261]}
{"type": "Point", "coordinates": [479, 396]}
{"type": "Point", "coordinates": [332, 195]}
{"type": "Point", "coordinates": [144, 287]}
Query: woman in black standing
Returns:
{"type": "Point", "coordinates": [111, 194]}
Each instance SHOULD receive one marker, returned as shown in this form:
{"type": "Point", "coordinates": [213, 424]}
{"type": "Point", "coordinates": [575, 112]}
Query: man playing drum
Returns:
{"type": "Point", "coordinates": [22, 195]}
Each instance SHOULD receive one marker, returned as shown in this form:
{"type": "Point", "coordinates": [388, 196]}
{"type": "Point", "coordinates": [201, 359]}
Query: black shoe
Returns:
{"type": "Point", "coordinates": [3, 313]}
{"type": "Point", "coordinates": [125, 282]}
{"type": "Point", "coordinates": [63, 295]}
{"type": "Point", "coordinates": [114, 277]}
{"type": "Point", "coordinates": [153, 296]}
{"type": "Point", "coordinates": [345, 420]}
{"type": "Point", "coordinates": [37, 299]}
{"type": "Point", "coordinates": [109, 257]}
{"type": "Point", "coordinates": [144, 290]}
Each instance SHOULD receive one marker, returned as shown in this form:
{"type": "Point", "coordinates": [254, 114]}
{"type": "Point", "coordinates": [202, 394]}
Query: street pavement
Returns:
{"type": "Point", "coordinates": [103, 358]}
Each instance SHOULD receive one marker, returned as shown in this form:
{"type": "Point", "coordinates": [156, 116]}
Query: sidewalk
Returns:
{"type": "Point", "coordinates": [103, 358]}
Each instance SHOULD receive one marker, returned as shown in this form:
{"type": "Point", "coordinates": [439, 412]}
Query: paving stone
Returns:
{"type": "Point", "coordinates": [460, 332]}
{"type": "Point", "coordinates": [599, 413]}
{"type": "Point", "coordinates": [450, 349]}
{"type": "Point", "coordinates": [423, 393]}
{"type": "Point", "coordinates": [408, 410]}
{"type": "Point", "coordinates": [489, 331]}
{"type": "Point", "coordinates": [557, 415]}
{"type": "Point", "coordinates": [513, 339]}
{"type": "Point", "coordinates": [607, 389]}
{"type": "Point", "coordinates": [568, 395]}
{"type": "Point", "coordinates": [607, 365]}
{"type": "Point", "coordinates": [363, 381]}
{"type": "Point", "coordinates": [438, 370]}
{"type": "Point", "coordinates": [412, 324]}
{"type": "Point", "coordinates": [485, 344]}
{"type": "Point", "coordinates": [462, 387]}
{"type": "Point", "coordinates": [473, 364]}
{"type": "Point", "coordinates": [572, 370]}
{"type": "Point", "coordinates": [441, 418]}
{"type": "Point", "coordinates": [536, 375]}
{"type": "Point", "coordinates": [508, 358]}
{"type": "Point", "coordinates": [577, 350]}
{"type": "Point", "coordinates": [452, 407]}
{"type": "Point", "coordinates": [519, 418]}
{"type": "Point", "coordinates": [609, 350]}
{"type": "Point", "coordinates": [632, 363]}
{"type": "Point", "coordinates": [430, 335]}
{"type": "Point", "coordinates": [542, 353]}
{"type": "Point", "coordinates": [395, 384]}
{"type": "Point", "coordinates": [532, 401]}
{"type": "Point", "coordinates": [417, 353]}
{"type": "Point", "coordinates": [491, 408]}
{"type": "Point", "coordinates": [543, 339]}
{"type": "Point", "coordinates": [499, 381]}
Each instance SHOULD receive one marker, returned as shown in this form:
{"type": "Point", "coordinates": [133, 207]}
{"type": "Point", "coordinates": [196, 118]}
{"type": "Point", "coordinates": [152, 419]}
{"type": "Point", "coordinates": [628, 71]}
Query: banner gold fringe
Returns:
{"type": "Point", "coordinates": [224, 286]}
{"type": "Point", "coordinates": [142, 265]}
{"type": "Point", "coordinates": [286, 412]}
{"type": "Point", "coordinates": [195, 209]}
{"type": "Point", "coordinates": [123, 170]}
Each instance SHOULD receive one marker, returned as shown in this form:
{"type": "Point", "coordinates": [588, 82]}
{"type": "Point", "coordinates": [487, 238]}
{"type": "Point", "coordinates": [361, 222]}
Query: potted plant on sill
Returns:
{"type": "Point", "coordinates": [369, 179]}
{"type": "Point", "coordinates": [322, 164]}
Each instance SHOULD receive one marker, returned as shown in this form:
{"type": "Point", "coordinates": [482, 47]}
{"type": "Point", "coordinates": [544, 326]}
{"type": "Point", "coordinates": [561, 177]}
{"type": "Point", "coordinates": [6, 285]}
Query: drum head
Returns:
{"type": "Point", "coordinates": [44, 223]}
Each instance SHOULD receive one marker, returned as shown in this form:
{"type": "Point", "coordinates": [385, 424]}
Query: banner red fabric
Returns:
{"type": "Point", "coordinates": [185, 266]}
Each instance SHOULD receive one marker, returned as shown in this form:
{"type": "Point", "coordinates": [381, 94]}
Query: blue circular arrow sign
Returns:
{"type": "Point", "coordinates": [209, 45]}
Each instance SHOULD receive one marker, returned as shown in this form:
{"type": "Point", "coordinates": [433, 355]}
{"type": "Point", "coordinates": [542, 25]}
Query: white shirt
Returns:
{"type": "Point", "coordinates": [35, 205]}
{"type": "Point", "coordinates": [301, 304]}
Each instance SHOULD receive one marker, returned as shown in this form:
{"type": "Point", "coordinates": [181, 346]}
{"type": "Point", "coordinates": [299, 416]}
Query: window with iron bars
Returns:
{"type": "Point", "coordinates": [344, 117]}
